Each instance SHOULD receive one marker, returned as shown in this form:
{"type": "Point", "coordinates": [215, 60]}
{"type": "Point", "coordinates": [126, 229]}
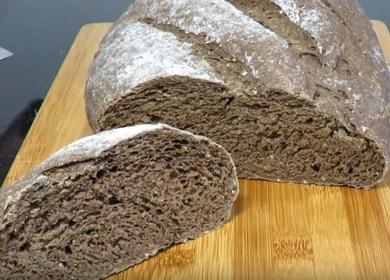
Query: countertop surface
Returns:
{"type": "Point", "coordinates": [39, 33]}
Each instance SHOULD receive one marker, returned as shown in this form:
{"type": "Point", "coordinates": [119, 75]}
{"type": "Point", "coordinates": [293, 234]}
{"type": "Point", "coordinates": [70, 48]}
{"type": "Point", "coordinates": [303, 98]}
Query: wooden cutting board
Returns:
{"type": "Point", "coordinates": [277, 231]}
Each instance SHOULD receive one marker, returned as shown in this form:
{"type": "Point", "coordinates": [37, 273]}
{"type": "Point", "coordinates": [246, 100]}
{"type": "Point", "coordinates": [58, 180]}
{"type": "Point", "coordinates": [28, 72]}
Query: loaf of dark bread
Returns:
{"type": "Point", "coordinates": [111, 200]}
{"type": "Point", "coordinates": [295, 90]}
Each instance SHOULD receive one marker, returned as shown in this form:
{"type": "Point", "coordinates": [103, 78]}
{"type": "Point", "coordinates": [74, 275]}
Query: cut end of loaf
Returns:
{"type": "Point", "coordinates": [272, 135]}
{"type": "Point", "coordinates": [90, 219]}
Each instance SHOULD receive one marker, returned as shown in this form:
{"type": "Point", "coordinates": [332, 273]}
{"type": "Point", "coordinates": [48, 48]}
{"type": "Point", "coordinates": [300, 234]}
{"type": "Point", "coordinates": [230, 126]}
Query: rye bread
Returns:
{"type": "Point", "coordinates": [111, 200]}
{"type": "Point", "coordinates": [295, 90]}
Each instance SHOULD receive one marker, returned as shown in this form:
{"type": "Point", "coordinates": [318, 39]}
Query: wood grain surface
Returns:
{"type": "Point", "coordinates": [277, 231]}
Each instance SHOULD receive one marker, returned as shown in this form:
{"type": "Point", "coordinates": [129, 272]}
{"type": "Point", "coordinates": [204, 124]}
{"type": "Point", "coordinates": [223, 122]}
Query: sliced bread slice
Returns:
{"type": "Point", "coordinates": [112, 200]}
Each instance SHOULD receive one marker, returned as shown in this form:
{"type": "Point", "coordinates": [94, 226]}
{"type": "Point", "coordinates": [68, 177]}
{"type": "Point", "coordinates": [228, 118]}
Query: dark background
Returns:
{"type": "Point", "coordinates": [39, 33]}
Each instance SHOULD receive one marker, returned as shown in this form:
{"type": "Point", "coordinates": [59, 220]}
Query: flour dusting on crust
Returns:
{"type": "Point", "coordinates": [229, 27]}
{"type": "Point", "coordinates": [139, 53]}
{"type": "Point", "coordinates": [195, 17]}
{"type": "Point", "coordinates": [316, 18]}
{"type": "Point", "coordinates": [92, 146]}
{"type": "Point", "coordinates": [310, 20]}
